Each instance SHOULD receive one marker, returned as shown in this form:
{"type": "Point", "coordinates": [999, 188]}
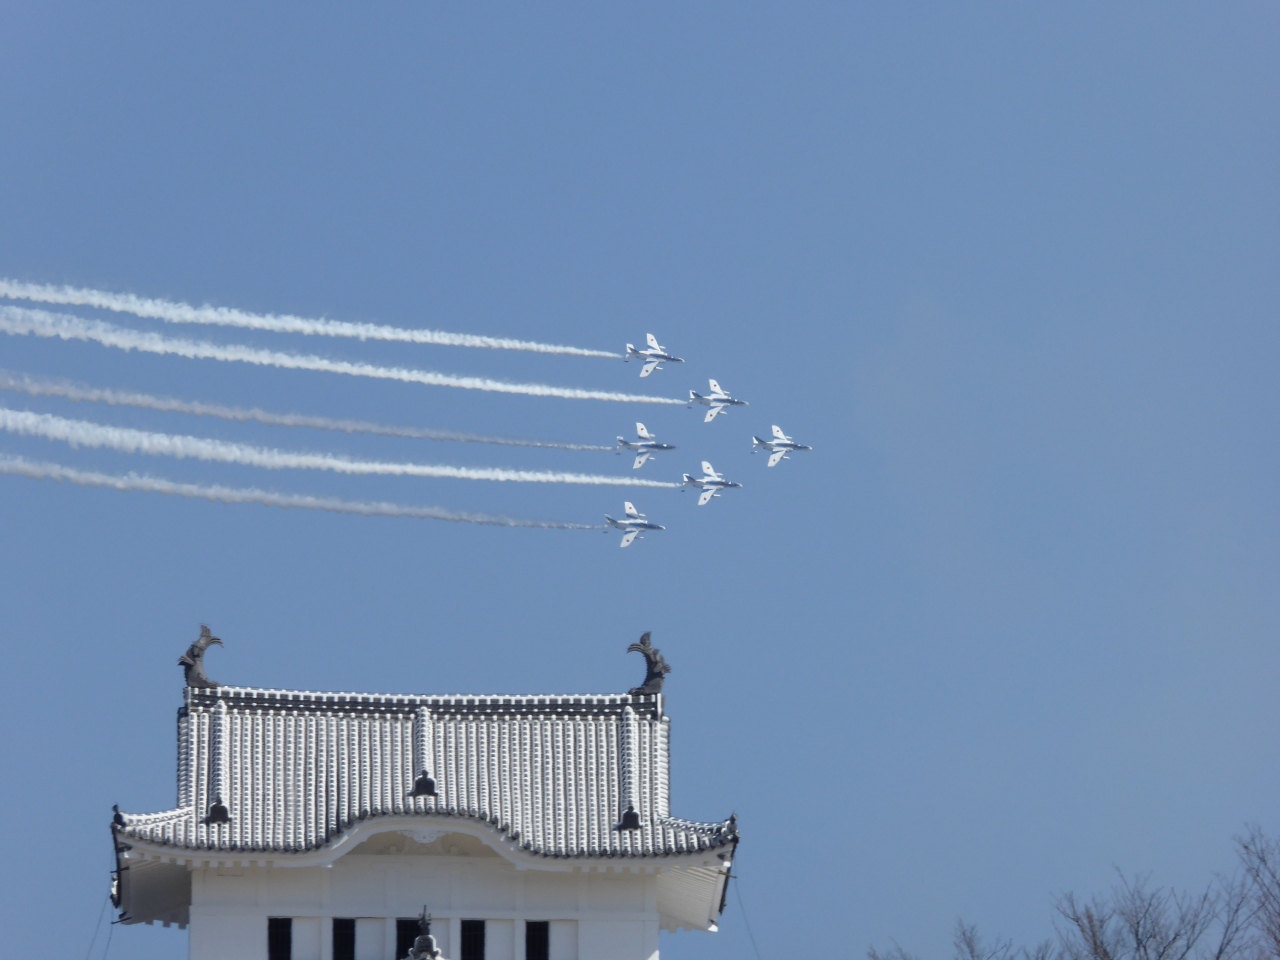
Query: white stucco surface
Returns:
{"type": "Point", "coordinates": [594, 916]}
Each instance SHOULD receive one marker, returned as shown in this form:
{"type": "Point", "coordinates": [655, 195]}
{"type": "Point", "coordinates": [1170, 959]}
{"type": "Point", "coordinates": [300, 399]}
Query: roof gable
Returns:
{"type": "Point", "coordinates": [288, 771]}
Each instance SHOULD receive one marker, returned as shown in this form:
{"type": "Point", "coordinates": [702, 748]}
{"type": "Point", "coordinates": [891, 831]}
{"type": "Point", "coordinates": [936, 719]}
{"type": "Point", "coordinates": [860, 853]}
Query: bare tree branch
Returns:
{"type": "Point", "coordinates": [896, 953]}
{"type": "Point", "coordinates": [1234, 918]}
{"type": "Point", "coordinates": [1260, 857]}
{"type": "Point", "coordinates": [969, 945]}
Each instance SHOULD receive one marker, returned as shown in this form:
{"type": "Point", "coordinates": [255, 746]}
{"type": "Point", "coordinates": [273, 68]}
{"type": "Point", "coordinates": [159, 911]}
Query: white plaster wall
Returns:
{"type": "Point", "coordinates": [223, 936]}
{"type": "Point", "coordinates": [306, 938]}
{"type": "Point", "coordinates": [564, 940]}
{"type": "Point", "coordinates": [500, 939]}
{"type": "Point", "coordinates": [440, 930]}
{"type": "Point", "coordinates": [371, 939]}
{"type": "Point", "coordinates": [617, 940]}
{"type": "Point", "coordinates": [594, 916]}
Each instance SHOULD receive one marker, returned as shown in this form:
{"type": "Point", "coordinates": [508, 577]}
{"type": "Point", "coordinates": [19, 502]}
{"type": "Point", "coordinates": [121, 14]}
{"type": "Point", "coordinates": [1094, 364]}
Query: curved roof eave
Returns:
{"type": "Point", "coordinates": [344, 843]}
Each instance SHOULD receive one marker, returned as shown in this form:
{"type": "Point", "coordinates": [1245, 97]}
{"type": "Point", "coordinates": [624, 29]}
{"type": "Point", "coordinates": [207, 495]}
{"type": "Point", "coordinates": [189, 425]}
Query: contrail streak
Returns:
{"type": "Point", "coordinates": [17, 466]}
{"type": "Point", "coordinates": [171, 312]}
{"type": "Point", "coordinates": [37, 387]}
{"type": "Point", "coordinates": [41, 323]}
{"type": "Point", "coordinates": [82, 433]}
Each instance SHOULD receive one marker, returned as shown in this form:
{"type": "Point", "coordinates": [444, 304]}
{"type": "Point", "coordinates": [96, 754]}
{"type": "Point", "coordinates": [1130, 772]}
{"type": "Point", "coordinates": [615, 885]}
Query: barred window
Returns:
{"type": "Point", "coordinates": [406, 933]}
{"type": "Point", "coordinates": [472, 940]}
{"type": "Point", "coordinates": [537, 940]}
{"type": "Point", "coordinates": [344, 938]}
{"type": "Point", "coordinates": [279, 938]}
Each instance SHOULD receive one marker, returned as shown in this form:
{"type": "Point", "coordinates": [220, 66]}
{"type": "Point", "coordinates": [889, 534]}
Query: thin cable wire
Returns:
{"type": "Point", "coordinates": [110, 930]}
{"type": "Point", "coordinates": [97, 926]}
{"type": "Point", "coordinates": [737, 889]}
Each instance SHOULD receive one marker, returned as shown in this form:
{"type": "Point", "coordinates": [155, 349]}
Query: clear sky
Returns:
{"type": "Point", "coordinates": [1009, 268]}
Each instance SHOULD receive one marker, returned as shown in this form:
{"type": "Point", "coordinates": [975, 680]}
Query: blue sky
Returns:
{"type": "Point", "coordinates": [1009, 269]}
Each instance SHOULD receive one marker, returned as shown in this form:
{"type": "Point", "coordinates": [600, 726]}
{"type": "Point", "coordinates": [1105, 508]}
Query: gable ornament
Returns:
{"type": "Point", "coordinates": [657, 667]}
{"type": "Point", "coordinates": [192, 662]}
{"type": "Point", "coordinates": [424, 945]}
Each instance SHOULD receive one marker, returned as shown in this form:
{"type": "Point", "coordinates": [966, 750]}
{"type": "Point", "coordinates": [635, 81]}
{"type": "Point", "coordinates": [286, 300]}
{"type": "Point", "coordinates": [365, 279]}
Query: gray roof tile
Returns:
{"type": "Point", "coordinates": [550, 774]}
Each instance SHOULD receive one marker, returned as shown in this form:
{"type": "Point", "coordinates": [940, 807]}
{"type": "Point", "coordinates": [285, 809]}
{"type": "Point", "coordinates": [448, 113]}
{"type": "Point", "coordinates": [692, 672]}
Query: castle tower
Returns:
{"type": "Point", "coordinates": [316, 826]}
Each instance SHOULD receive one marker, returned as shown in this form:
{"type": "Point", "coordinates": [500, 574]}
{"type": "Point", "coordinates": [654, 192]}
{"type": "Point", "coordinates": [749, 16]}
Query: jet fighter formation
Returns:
{"type": "Point", "coordinates": [20, 321]}
{"type": "Point", "coordinates": [711, 483]}
{"type": "Point", "coordinates": [646, 446]}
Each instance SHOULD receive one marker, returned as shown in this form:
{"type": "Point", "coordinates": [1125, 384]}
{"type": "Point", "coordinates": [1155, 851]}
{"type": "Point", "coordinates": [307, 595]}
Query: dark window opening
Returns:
{"type": "Point", "coordinates": [537, 940]}
{"type": "Point", "coordinates": [406, 933]}
{"type": "Point", "coordinates": [279, 938]}
{"type": "Point", "coordinates": [472, 940]}
{"type": "Point", "coordinates": [344, 938]}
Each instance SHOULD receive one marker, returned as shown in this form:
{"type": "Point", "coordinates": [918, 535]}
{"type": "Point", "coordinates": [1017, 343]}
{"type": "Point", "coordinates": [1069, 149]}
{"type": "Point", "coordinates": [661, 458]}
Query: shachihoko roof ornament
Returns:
{"type": "Point", "coordinates": [192, 662]}
{"type": "Point", "coordinates": [658, 668]}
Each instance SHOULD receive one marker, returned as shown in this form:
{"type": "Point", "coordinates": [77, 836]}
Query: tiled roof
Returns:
{"type": "Point", "coordinates": [551, 775]}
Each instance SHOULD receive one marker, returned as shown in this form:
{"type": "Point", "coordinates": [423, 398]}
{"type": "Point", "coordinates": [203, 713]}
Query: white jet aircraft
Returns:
{"type": "Point", "coordinates": [778, 447]}
{"type": "Point", "coordinates": [718, 400]}
{"type": "Point", "coordinates": [653, 355]}
{"type": "Point", "coordinates": [710, 483]}
{"type": "Point", "coordinates": [646, 446]}
{"type": "Point", "coordinates": [631, 524]}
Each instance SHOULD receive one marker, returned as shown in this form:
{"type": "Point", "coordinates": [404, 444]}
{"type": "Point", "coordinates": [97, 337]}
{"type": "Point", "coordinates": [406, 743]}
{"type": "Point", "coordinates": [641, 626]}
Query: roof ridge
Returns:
{"type": "Point", "coordinates": [222, 690]}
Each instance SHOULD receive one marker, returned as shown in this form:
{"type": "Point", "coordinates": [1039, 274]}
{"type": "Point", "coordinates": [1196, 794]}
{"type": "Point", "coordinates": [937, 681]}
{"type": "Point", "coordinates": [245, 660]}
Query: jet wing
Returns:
{"type": "Point", "coordinates": [711, 414]}
{"type": "Point", "coordinates": [777, 432]}
{"type": "Point", "coordinates": [650, 339]}
{"type": "Point", "coordinates": [648, 368]}
{"type": "Point", "coordinates": [628, 537]}
{"type": "Point", "coordinates": [709, 470]}
{"type": "Point", "coordinates": [705, 497]}
{"type": "Point", "coordinates": [629, 507]}
{"type": "Point", "coordinates": [640, 460]}
{"type": "Point", "coordinates": [715, 389]}
{"type": "Point", "coordinates": [775, 457]}
{"type": "Point", "coordinates": [643, 431]}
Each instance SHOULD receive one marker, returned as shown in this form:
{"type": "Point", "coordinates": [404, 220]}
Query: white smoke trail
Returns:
{"type": "Point", "coordinates": [41, 323]}
{"type": "Point", "coordinates": [17, 466]}
{"type": "Point", "coordinates": [82, 433]}
{"type": "Point", "coordinates": [37, 387]}
{"type": "Point", "coordinates": [171, 312]}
